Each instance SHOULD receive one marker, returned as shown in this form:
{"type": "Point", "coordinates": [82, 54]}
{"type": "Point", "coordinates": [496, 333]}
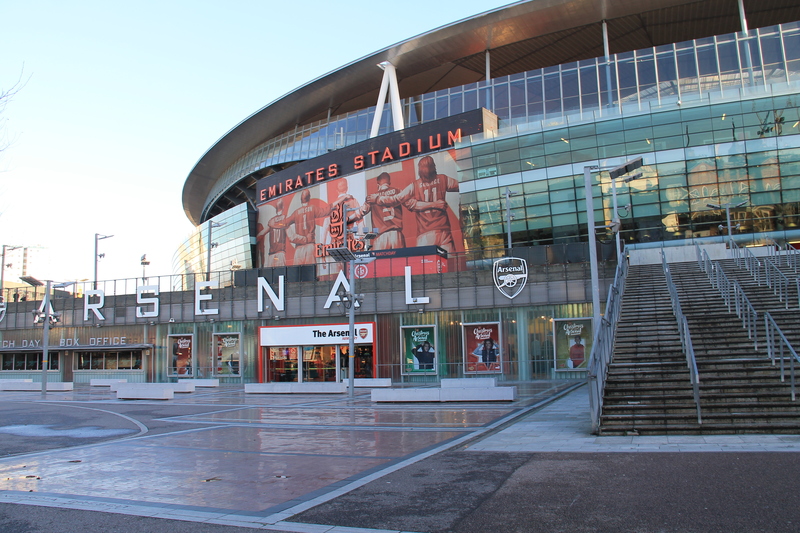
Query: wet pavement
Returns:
{"type": "Point", "coordinates": [218, 458]}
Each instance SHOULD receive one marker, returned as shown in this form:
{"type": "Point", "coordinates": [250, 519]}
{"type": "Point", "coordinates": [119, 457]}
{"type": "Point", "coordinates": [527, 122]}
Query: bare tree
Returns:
{"type": "Point", "coordinates": [6, 95]}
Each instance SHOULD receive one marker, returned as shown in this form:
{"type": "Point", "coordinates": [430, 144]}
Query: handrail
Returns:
{"type": "Point", "coordinates": [792, 257]}
{"type": "Point", "coordinates": [777, 281]}
{"type": "Point", "coordinates": [736, 252]}
{"type": "Point", "coordinates": [603, 343]}
{"type": "Point", "coordinates": [752, 264]}
{"type": "Point", "coordinates": [686, 338]}
{"type": "Point", "coordinates": [734, 297]}
{"type": "Point", "coordinates": [784, 345]}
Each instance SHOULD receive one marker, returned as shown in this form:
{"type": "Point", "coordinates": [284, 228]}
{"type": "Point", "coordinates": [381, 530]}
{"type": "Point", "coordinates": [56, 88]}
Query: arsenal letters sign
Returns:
{"type": "Point", "coordinates": [410, 142]}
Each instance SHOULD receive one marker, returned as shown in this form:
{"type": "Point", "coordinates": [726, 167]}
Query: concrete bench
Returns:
{"type": "Point", "coordinates": [478, 394]}
{"type": "Point", "coordinates": [201, 382]}
{"type": "Point", "coordinates": [446, 394]}
{"type": "Point", "coordinates": [181, 386]}
{"type": "Point", "coordinates": [281, 387]}
{"type": "Point", "coordinates": [369, 382]}
{"type": "Point", "coordinates": [100, 382]}
{"type": "Point", "coordinates": [462, 383]}
{"type": "Point", "coordinates": [31, 386]}
{"type": "Point", "coordinates": [144, 391]}
{"type": "Point", "coordinates": [406, 395]}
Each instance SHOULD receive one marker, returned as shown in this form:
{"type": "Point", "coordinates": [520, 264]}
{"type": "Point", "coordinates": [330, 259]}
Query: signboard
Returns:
{"type": "Point", "coordinates": [181, 350]}
{"type": "Point", "coordinates": [482, 353]}
{"type": "Point", "coordinates": [228, 354]}
{"type": "Point", "coordinates": [510, 274]}
{"type": "Point", "coordinates": [323, 334]}
{"type": "Point", "coordinates": [419, 349]}
{"type": "Point", "coordinates": [573, 343]}
{"type": "Point", "coordinates": [377, 151]}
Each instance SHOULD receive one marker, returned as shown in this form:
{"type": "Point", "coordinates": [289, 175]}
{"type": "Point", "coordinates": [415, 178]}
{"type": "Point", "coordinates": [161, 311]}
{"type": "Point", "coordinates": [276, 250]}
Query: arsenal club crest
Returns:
{"type": "Point", "coordinates": [510, 275]}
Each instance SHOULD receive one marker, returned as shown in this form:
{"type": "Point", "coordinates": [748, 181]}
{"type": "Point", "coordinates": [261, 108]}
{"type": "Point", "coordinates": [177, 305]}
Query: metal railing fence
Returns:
{"type": "Point", "coordinates": [777, 281]}
{"type": "Point", "coordinates": [603, 343]}
{"type": "Point", "coordinates": [685, 335]}
{"type": "Point", "coordinates": [779, 347]}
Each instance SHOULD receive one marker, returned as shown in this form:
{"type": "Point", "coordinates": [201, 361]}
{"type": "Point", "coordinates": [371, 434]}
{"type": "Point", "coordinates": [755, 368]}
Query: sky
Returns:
{"type": "Point", "coordinates": [117, 101]}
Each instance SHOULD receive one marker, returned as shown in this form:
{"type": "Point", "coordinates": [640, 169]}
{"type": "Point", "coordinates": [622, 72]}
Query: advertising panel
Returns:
{"type": "Point", "coordinates": [320, 334]}
{"type": "Point", "coordinates": [410, 204]}
{"type": "Point", "coordinates": [482, 353]}
{"type": "Point", "coordinates": [419, 349]}
{"type": "Point", "coordinates": [228, 356]}
{"type": "Point", "coordinates": [181, 362]}
{"type": "Point", "coordinates": [573, 344]}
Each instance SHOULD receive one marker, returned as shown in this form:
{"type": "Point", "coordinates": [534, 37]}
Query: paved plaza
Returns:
{"type": "Point", "coordinates": [219, 460]}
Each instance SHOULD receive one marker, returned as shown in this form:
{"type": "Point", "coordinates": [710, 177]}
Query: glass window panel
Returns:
{"type": "Point", "coordinates": [771, 49]}
{"type": "Point", "coordinates": [765, 198]}
{"type": "Point", "coordinates": [565, 220]}
{"type": "Point", "coordinates": [562, 207]}
{"type": "Point", "coordinates": [707, 61]}
{"type": "Point", "coordinates": [501, 96]}
{"type": "Point", "coordinates": [538, 223]}
{"type": "Point", "coordinates": [562, 195]}
{"type": "Point", "coordinates": [537, 198]}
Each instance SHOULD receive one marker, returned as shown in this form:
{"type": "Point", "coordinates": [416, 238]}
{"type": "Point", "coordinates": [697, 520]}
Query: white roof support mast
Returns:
{"type": "Point", "coordinates": [388, 84]}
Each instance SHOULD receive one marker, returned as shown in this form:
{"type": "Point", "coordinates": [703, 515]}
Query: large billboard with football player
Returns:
{"type": "Point", "coordinates": [409, 203]}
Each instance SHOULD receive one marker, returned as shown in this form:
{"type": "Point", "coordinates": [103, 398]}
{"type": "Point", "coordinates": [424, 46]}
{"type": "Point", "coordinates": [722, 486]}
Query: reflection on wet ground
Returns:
{"type": "Point", "coordinates": [222, 450]}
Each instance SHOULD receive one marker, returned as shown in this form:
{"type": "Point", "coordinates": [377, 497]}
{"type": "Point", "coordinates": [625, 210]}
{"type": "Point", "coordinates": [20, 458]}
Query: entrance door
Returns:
{"type": "Point", "coordinates": [363, 361]}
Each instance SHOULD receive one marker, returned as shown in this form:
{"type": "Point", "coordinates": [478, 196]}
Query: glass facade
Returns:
{"type": "Point", "coordinates": [230, 246]}
{"type": "Point", "coordinates": [715, 119]}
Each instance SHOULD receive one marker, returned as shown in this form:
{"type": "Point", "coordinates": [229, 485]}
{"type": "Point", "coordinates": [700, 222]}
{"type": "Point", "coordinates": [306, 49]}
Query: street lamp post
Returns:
{"type": "Point", "coordinates": [97, 257]}
{"type": "Point", "coordinates": [351, 299]}
{"type": "Point", "coordinates": [727, 207]}
{"type": "Point", "coordinates": [3, 270]}
{"type": "Point", "coordinates": [614, 172]}
{"type": "Point", "coordinates": [211, 224]}
{"type": "Point", "coordinates": [43, 315]}
{"type": "Point", "coordinates": [145, 262]}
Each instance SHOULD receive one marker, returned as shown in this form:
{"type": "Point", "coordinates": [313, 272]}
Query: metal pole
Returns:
{"type": "Point", "coordinates": [45, 338]}
{"type": "Point", "coordinates": [508, 217]}
{"type": "Point", "coordinates": [351, 371]}
{"type": "Point", "coordinates": [3, 274]}
{"type": "Point", "coordinates": [208, 246]}
{"type": "Point", "coordinates": [615, 218]}
{"type": "Point", "coordinates": [730, 230]}
{"type": "Point", "coordinates": [96, 239]}
{"type": "Point", "coordinates": [587, 178]}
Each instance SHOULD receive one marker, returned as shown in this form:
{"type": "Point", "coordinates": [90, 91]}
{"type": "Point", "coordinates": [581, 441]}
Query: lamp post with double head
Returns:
{"type": "Point", "coordinates": [210, 245]}
{"type": "Point", "coordinates": [350, 299]}
{"type": "Point", "coordinates": [615, 172]}
{"type": "Point", "coordinates": [44, 314]}
{"type": "Point", "coordinates": [3, 270]}
{"type": "Point", "coordinates": [727, 207]}
{"type": "Point", "coordinates": [97, 256]}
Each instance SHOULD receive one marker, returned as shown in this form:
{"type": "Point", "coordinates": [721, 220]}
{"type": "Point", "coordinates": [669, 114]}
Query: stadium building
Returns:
{"type": "Point", "coordinates": [452, 166]}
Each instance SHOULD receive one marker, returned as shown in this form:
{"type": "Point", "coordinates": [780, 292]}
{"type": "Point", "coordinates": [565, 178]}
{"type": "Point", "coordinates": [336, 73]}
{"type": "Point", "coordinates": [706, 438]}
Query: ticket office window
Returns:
{"type": "Point", "coordinates": [118, 360]}
{"type": "Point", "coordinates": [28, 361]}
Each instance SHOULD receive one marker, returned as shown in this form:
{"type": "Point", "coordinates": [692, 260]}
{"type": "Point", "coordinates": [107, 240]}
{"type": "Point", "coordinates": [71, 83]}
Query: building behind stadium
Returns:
{"type": "Point", "coordinates": [452, 165]}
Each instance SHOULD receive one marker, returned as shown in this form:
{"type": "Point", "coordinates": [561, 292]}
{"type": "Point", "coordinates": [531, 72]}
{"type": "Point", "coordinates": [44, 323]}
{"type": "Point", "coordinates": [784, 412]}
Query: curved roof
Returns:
{"type": "Point", "coordinates": [522, 36]}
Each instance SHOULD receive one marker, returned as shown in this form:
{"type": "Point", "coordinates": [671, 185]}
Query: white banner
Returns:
{"type": "Point", "coordinates": [323, 334]}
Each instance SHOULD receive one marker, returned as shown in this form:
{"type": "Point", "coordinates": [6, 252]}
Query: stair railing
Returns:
{"type": "Point", "coordinates": [737, 253]}
{"type": "Point", "coordinates": [752, 264]}
{"type": "Point", "coordinates": [792, 257]}
{"type": "Point", "coordinates": [777, 281]}
{"type": "Point", "coordinates": [779, 347]}
{"type": "Point", "coordinates": [746, 311]}
{"type": "Point", "coordinates": [603, 344]}
{"type": "Point", "coordinates": [733, 295]}
{"type": "Point", "coordinates": [686, 338]}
